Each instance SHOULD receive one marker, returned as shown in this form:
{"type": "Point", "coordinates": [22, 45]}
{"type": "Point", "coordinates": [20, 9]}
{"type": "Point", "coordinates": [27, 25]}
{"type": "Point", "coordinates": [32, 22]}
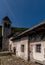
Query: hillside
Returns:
{"type": "Point", "coordinates": [16, 29]}
{"type": "Point", "coordinates": [13, 30]}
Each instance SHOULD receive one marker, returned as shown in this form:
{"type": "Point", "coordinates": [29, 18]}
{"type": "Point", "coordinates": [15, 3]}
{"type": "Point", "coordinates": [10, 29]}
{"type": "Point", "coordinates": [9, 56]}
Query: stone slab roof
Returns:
{"type": "Point", "coordinates": [37, 27]}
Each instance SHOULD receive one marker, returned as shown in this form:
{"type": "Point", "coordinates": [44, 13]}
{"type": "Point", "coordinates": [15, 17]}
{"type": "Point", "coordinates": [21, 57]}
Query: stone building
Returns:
{"type": "Point", "coordinates": [27, 44]}
{"type": "Point", "coordinates": [6, 31]}
{"type": "Point", "coordinates": [30, 44]}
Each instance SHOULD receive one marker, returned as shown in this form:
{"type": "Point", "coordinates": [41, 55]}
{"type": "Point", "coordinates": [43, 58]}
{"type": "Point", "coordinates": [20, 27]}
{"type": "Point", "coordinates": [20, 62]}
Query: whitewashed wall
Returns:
{"type": "Point", "coordinates": [36, 55]}
{"type": "Point", "coordinates": [23, 55]}
{"type": "Point", "coordinates": [13, 44]}
{"type": "Point", "coordinates": [17, 44]}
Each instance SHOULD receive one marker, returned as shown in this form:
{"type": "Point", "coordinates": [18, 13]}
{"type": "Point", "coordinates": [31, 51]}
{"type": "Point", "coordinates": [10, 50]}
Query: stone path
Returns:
{"type": "Point", "coordinates": [13, 60]}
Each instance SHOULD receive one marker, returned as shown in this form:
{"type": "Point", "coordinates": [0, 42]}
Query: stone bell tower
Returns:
{"type": "Point", "coordinates": [6, 31]}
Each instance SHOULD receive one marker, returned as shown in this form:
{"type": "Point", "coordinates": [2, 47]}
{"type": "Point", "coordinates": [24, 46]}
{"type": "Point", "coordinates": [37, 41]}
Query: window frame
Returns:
{"type": "Point", "coordinates": [22, 48]}
{"type": "Point", "coordinates": [38, 48]}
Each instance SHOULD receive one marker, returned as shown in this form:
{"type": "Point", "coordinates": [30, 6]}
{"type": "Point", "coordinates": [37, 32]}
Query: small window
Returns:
{"type": "Point", "coordinates": [22, 48]}
{"type": "Point", "coordinates": [8, 25]}
{"type": "Point", "coordinates": [5, 25]}
{"type": "Point", "coordinates": [10, 47]}
{"type": "Point", "coordinates": [38, 48]}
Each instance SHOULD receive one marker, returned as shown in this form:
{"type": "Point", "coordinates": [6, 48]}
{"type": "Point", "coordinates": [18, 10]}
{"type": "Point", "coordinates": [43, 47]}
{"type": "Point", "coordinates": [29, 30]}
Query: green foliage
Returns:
{"type": "Point", "coordinates": [18, 29]}
{"type": "Point", "coordinates": [13, 30]}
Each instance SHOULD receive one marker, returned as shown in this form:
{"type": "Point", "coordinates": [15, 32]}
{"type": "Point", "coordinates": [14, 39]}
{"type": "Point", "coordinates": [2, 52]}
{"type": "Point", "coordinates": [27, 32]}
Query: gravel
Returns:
{"type": "Point", "coordinates": [13, 60]}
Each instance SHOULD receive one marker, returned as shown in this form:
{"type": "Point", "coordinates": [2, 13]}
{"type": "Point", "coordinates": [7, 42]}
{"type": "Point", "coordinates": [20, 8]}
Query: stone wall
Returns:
{"type": "Point", "coordinates": [5, 32]}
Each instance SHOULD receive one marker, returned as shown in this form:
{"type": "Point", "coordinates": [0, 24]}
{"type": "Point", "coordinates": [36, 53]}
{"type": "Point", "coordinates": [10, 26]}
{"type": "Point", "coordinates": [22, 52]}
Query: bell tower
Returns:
{"type": "Point", "coordinates": [6, 31]}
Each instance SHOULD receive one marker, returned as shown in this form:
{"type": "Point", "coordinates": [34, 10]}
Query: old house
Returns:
{"type": "Point", "coordinates": [30, 44]}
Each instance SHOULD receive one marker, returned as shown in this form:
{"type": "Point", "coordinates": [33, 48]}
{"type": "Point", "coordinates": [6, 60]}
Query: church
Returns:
{"type": "Point", "coordinates": [28, 44]}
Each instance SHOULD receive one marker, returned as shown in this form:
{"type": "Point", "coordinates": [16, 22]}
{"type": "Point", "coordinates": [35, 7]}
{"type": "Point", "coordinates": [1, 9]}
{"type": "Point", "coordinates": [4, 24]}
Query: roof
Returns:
{"type": "Point", "coordinates": [13, 29]}
{"type": "Point", "coordinates": [30, 29]}
{"type": "Point", "coordinates": [6, 18]}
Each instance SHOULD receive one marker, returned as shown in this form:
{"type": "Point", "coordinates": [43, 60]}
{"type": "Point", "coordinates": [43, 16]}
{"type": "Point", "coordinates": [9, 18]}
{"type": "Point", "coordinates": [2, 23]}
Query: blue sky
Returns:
{"type": "Point", "coordinates": [23, 13]}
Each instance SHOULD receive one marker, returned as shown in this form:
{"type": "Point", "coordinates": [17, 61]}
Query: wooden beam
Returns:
{"type": "Point", "coordinates": [28, 49]}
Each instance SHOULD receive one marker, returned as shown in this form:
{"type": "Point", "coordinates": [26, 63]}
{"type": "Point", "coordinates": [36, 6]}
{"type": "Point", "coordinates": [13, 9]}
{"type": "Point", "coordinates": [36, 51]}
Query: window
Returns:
{"type": "Point", "coordinates": [38, 48]}
{"type": "Point", "coordinates": [5, 25]}
{"type": "Point", "coordinates": [22, 48]}
{"type": "Point", "coordinates": [10, 47]}
{"type": "Point", "coordinates": [8, 25]}
{"type": "Point", "coordinates": [14, 50]}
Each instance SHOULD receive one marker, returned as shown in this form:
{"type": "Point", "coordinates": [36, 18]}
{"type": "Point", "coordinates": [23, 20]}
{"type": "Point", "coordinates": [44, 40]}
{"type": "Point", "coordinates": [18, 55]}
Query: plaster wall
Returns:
{"type": "Point", "coordinates": [19, 53]}
{"type": "Point", "coordinates": [36, 55]}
